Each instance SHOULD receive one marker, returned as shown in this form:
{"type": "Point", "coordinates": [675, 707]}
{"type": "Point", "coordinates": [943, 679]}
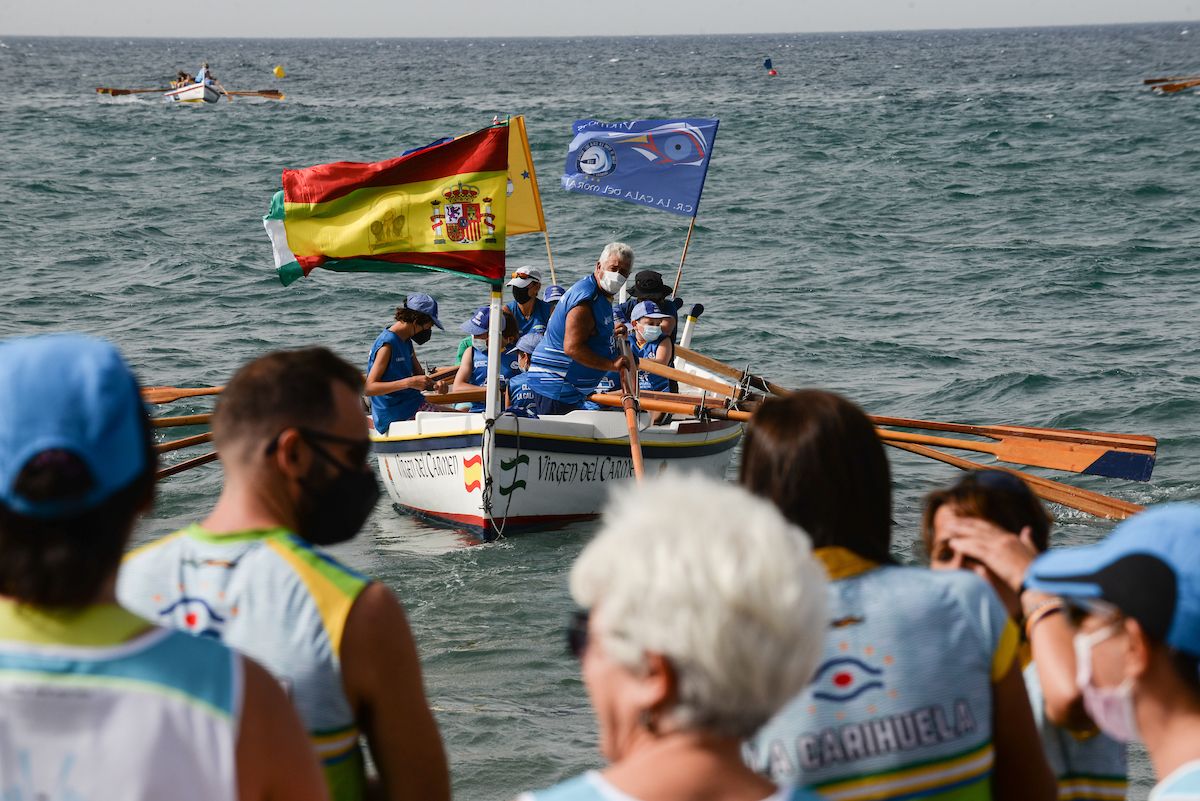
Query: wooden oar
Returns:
{"type": "Point", "coordinates": [720, 387]}
{"type": "Point", "coordinates": [1127, 456]}
{"type": "Point", "coordinates": [629, 383]}
{"type": "Point", "coordinates": [1168, 88]}
{"type": "Point", "coordinates": [720, 368]}
{"type": "Point", "coordinates": [1084, 500]}
{"type": "Point", "coordinates": [681, 408]}
{"type": "Point", "coordinates": [462, 396]}
{"type": "Point", "coordinates": [106, 90]}
{"type": "Point", "coordinates": [186, 420]}
{"type": "Point", "coordinates": [1149, 81]}
{"type": "Point", "coordinates": [270, 94]}
{"type": "Point", "coordinates": [169, 394]}
{"type": "Point", "coordinates": [186, 442]}
{"type": "Point", "coordinates": [188, 465]}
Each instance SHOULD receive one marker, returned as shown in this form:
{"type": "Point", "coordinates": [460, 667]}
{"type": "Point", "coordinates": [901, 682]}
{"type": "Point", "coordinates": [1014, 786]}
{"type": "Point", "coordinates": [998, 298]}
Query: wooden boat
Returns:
{"type": "Point", "coordinates": [193, 93]}
{"type": "Point", "coordinates": [532, 474]}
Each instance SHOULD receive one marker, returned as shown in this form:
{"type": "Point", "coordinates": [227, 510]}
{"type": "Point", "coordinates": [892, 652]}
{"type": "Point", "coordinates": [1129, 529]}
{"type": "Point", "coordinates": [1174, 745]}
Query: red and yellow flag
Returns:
{"type": "Point", "coordinates": [442, 207]}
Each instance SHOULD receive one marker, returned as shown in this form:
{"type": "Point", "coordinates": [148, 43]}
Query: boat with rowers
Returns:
{"type": "Point", "coordinates": [527, 474]}
{"type": "Point", "coordinates": [193, 93]}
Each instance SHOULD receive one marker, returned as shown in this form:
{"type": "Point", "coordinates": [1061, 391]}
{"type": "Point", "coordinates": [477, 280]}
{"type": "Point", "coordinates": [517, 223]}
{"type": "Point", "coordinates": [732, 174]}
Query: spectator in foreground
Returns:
{"type": "Point", "coordinates": [703, 612]}
{"type": "Point", "coordinates": [919, 687]}
{"type": "Point", "coordinates": [293, 444]}
{"type": "Point", "coordinates": [994, 514]}
{"type": "Point", "coordinates": [1135, 598]}
{"type": "Point", "coordinates": [96, 702]}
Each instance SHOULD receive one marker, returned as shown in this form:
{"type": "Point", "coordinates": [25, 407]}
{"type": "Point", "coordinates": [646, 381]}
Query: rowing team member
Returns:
{"type": "Point", "coordinates": [577, 349]}
{"type": "Point", "coordinates": [395, 378]}
{"type": "Point", "coordinates": [473, 368]}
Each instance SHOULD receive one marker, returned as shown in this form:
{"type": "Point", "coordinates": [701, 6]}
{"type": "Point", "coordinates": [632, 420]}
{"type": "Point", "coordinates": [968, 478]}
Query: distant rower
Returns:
{"type": "Point", "coordinates": [771, 71]}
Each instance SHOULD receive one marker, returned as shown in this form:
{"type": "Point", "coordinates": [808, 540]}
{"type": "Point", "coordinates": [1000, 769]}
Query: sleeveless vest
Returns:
{"type": "Point", "coordinates": [520, 396]}
{"type": "Point", "coordinates": [537, 319]}
{"type": "Point", "coordinates": [402, 404]}
{"type": "Point", "coordinates": [91, 708]}
{"type": "Point", "coordinates": [274, 597]}
{"type": "Point", "coordinates": [901, 704]}
{"type": "Point", "coordinates": [649, 381]}
{"type": "Point", "coordinates": [479, 360]}
{"type": "Point", "coordinates": [1089, 766]}
{"type": "Point", "coordinates": [553, 374]}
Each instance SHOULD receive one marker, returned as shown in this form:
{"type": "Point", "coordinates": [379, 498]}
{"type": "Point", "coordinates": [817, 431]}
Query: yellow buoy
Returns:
{"type": "Point", "coordinates": [279, 73]}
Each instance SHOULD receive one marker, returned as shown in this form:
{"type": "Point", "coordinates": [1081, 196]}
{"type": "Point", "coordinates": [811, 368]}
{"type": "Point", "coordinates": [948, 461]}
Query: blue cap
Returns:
{"type": "Point", "coordinates": [1148, 567]}
{"type": "Point", "coordinates": [478, 324]}
{"type": "Point", "coordinates": [529, 342]}
{"type": "Point", "coordinates": [420, 302]}
{"type": "Point", "coordinates": [648, 308]}
{"type": "Point", "coordinates": [73, 393]}
{"type": "Point", "coordinates": [553, 292]}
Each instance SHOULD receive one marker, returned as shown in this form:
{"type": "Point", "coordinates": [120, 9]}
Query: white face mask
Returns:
{"type": "Point", "coordinates": [651, 333]}
{"type": "Point", "coordinates": [1110, 708]}
{"type": "Point", "coordinates": [611, 282]}
{"type": "Point", "coordinates": [479, 343]}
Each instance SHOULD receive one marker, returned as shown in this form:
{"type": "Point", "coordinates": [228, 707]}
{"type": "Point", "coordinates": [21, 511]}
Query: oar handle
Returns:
{"type": "Point", "coordinates": [186, 442]}
{"type": "Point", "coordinates": [185, 420]}
{"type": "Point", "coordinates": [629, 402]}
{"type": "Point", "coordinates": [188, 465]}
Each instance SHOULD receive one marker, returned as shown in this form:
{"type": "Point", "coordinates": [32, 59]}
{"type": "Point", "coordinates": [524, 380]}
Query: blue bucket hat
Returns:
{"type": "Point", "coordinates": [478, 324]}
{"type": "Point", "coordinates": [1148, 567]}
{"type": "Point", "coordinates": [73, 393]}
{"type": "Point", "coordinates": [529, 342]}
{"type": "Point", "coordinates": [553, 292]}
{"type": "Point", "coordinates": [420, 302]}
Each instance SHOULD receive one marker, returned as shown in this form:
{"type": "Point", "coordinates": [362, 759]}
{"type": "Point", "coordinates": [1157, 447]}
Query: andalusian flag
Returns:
{"type": "Point", "coordinates": [524, 201]}
{"type": "Point", "coordinates": [440, 207]}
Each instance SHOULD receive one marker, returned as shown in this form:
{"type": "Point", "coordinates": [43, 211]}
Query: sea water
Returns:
{"type": "Point", "coordinates": [977, 226]}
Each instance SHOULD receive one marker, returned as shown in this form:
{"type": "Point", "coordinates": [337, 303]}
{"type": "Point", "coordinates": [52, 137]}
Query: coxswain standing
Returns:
{"type": "Point", "coordinates": [578, 349]}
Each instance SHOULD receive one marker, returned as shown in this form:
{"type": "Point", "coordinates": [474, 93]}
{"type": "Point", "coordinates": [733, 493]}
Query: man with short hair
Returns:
{"type": "Point", "coordinates": [1136, 597]}
{"type": "Point", "coordinates": [293, 442]}
{"type": "Point", "coordinates": [95, 701]}
{"type": "Point", "coordinates": [578, 348]}
{"type": "Point", "coordinates": [531, 312]}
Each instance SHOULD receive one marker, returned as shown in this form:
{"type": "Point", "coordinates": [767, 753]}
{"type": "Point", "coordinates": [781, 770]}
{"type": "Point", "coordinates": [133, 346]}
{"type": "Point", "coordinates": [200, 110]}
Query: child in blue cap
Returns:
{"type": "Point", "coordinates": [94, 696]}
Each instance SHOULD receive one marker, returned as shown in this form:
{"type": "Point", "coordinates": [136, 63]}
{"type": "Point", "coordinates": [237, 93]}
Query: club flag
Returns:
{"type": "Point", "coordinates": [440, 207]}
{"type": "Point", "coordinates": [657, 163]}
{"type": "Point", "coordinates": [524, 201]}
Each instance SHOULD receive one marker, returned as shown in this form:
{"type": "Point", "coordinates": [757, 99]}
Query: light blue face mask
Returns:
{"type": "Point", "coordinates": [651, 333]}
{"type": "Point", "coordinates": [479, 343]}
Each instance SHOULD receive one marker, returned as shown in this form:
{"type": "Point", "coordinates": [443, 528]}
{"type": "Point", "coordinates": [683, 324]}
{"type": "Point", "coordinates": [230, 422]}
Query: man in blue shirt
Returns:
{"type": "Point", "coordinates": [578, 348]}
{"type": "Point", "coordinates": [531, 312]}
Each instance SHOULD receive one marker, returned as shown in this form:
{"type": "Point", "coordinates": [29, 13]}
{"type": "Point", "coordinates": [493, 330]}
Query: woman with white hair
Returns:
{"type": "Point", "coordinates": [703, 613]}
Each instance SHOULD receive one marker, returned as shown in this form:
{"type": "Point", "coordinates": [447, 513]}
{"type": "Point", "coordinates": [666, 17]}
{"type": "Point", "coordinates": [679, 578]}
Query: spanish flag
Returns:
{"type": "Point", "coordinates": [440, 207]}
{"type": "Point", "coordinates": [524, 201]}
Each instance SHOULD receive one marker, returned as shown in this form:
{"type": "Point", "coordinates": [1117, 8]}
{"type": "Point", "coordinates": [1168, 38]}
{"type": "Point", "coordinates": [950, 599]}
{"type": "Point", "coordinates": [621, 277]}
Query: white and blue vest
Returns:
{"type": "Point", "coordinates": [591, 786]}
{"type": "Point", "coordinates": [901, 704]}
{"type": "Point", "coordinates": [100, 704]}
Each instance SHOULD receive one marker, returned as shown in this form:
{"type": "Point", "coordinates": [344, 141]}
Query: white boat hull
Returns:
{"type": "Point", "coordinates": [193, 93]}
{"type": "Point", "coordinates": [545, 472]}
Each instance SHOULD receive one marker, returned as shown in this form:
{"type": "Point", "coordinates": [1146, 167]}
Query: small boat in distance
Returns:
{"type": "Point", "coordinates": [193, 93]}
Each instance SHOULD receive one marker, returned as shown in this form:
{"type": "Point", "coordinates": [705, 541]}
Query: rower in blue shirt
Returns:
{"type": "Point", "coordinates": [472, 370]}
{"type": "Point", "coordinates": [203, 75]}
{"type": "Point", "coordinates": [578, 348]}
{"type": "Point", "coordinates": [531, 312]}
{"type": "Point", "coordinates": [648, 285]}
{"type": "Point", "coordinates": [521, 399]}
{"type": "Point", "coordinates": [395, 378]}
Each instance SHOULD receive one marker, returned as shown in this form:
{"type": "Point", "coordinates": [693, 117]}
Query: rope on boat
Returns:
{"type": "Point", "coordinates": [486, 453]}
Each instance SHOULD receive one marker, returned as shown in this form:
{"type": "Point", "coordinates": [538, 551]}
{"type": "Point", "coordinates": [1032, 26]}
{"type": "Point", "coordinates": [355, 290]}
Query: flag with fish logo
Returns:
{"type": "Point", "coordinates": [661, 164]}
{"type": "Point", "coordinates": [440, 207]}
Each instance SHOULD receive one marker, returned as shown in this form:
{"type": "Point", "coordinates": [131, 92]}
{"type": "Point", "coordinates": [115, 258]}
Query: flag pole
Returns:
{"type": "Point", "coordinates": [549, 256]}
{"type": "Point", "coordinates": [682, 258]}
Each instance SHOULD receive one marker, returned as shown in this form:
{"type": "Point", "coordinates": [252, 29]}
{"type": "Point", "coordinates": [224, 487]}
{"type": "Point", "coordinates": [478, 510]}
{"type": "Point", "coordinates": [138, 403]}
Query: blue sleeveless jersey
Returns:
{"type": "Point", "coordinates": [553, 374]}
{"type": "Point", "coordinates": [1088, 766]}
{"type": "Point", "coordinates": [901, 705]}
{"type": "Point", "coordinates": [537, 320]}
{"type": "Point", "coordinates": [400, 405]}
{"type": "Point", "coordinates": [520, 396]}
{"type": "Point", "coordinates": [591, 786]}
{"type": "Point", "coordinates": [479, 371]}
{"type": "Point", "coordinates": [649, 381]}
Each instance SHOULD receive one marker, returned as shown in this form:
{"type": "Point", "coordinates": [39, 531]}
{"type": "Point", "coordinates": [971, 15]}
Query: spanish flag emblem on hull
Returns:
{"type": "Point", "coordinates": [473, 472]}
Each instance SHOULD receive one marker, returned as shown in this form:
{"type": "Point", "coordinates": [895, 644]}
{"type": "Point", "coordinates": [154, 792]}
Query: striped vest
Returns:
{"type": "Point", "coordinates": [275, 598]}
{"type": "Point", "coordinates": [100, 704]}
{"type": "Point", "coordinates": [901, 705]}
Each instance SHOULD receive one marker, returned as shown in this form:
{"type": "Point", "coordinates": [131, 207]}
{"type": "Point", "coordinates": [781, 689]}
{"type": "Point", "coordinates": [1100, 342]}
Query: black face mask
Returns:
{"type": "Point", "coordinates": [422, 337]}
{"type": "Point", "coordinates": [334, 509]}
{"type": "Point", "coordinates": [521, 294]}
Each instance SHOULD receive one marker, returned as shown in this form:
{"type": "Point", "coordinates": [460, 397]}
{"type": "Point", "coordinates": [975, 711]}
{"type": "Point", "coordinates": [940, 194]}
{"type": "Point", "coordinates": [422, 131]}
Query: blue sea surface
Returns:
{"type": "Point", "coordinates": [993, 226]}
